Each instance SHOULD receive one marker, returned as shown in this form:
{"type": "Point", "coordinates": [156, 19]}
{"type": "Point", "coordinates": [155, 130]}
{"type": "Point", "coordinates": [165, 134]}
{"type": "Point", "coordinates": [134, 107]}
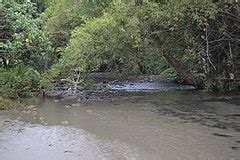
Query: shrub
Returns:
{"type": "Point", "coordinates": [64, 16]}
{"type": "Point", "coordinates": [29, 44]}
{"type": "Point", "coordinates": [112, 40]}
{"type": "Point", "coordinates": [19, 81]}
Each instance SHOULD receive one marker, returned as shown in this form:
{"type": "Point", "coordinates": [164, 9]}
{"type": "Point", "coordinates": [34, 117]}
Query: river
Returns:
{"type": "Point", "coordinates": [157, 125]}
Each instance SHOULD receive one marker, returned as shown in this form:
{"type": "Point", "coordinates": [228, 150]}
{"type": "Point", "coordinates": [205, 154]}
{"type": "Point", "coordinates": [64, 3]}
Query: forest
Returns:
{"type": "Point", "coordinates": [196, 42]}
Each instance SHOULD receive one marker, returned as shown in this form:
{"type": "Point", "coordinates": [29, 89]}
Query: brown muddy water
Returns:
{"type": "Point", "coordinates": [174, 125]}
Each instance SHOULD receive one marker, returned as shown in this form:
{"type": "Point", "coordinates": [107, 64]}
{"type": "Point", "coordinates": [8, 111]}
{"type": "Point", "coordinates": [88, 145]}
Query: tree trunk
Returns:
{"type": "Point", "coordinates": [187, 76]}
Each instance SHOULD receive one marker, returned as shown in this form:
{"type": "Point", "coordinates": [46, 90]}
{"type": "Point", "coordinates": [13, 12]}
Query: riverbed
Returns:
{"type": "Point", "coordinates": [175, 124]}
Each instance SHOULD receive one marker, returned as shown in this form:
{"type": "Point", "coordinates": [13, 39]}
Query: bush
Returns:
{"type": "Point", "coordinates": [29, 44]}
{"type": "Point", "coordinates": [112, 42]}
{"type": "Point", "coordinates": [64, 16]}
{"type": "Point", "coordinates": [19, 81]}
{"type": "Point", "coordinates": [29, 51]}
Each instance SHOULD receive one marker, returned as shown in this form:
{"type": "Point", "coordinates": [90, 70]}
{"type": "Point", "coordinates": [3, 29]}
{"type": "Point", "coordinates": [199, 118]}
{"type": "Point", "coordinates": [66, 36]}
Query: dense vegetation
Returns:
{"type": "Point", "coordinates": [28, 51]}
{"type": "Point", "coordinates": [197, 42]}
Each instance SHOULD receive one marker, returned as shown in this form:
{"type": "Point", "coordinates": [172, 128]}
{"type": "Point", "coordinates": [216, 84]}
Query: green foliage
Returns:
{"type": "Point", "coordinates": [124, 37]}
{"type": "Point", "coordinates": [118, 36]}
{"type": "Point", "coordinates": [112, 40]}
{"type": "Point", "coordinates": [193, 31]}
{"type": "Point", "coordinates": [169, 73]}
{"type": "Point", "coordinates": [19, 81]}
{"type": "Point", "coordinates": [29, 44]}
{"type": "Point", "coordinates": [63, 16]}
{"type": "Point", "coordinates": [28, 51]}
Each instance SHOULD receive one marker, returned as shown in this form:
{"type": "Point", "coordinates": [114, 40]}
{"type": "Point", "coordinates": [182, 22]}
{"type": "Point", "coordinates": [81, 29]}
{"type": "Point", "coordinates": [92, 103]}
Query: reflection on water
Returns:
{"type": "Point", "coordinates": [136, 126]}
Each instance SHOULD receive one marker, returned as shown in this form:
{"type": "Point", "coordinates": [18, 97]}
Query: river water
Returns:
{"type": "Point", "coordinates": [158, 125]}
